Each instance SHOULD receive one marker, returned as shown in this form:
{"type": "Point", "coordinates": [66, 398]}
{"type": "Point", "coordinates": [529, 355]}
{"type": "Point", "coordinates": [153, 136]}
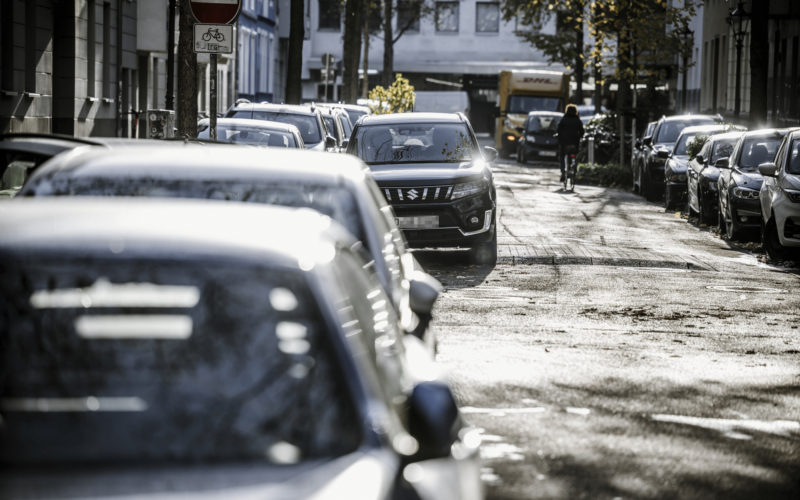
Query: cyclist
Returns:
{"type": "Point", "coordinates": [570, 131]}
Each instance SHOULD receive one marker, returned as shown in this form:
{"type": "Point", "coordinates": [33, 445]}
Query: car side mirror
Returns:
{"type": "Point", "coordinates": [423, 291]}
{"type": "Point", "coordinates": [721, 163]}
{"type": "Point", "coordinates": [330, 142]}
{"type": "Point", "coordinates": [699, 158]}
{"type": "Point", "coordinates": [638, 143]}
{"type": "Point", "coordinates": [768, 169]}
{"type": "Point", "coordinates": [489, 153]}
{"type": "Point", "coordinates": [433, 420]}
{"type": "Point", "coordinates": [663, 153]}
{"type": "Point", "coordinates": [647, 141]}
{"type": "Point", "coordinates": [345, 142]}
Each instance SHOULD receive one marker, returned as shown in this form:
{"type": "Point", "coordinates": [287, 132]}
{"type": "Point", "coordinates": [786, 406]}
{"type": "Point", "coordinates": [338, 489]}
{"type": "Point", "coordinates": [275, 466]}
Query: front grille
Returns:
{"type": "Point", "coordinates": [418, 194]}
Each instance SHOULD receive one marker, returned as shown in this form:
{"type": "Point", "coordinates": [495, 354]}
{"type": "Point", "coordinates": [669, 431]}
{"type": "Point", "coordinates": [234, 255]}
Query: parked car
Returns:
{"type": "Point", "coordinates": [339, 187]}
{"type": "Point", "coordinates": [165, 349]}
{"type": "Point", "coordinates": [307, 119]}
{"type": "Point", "coordinates": [637, 154]}
{"type": "Point", "coordinates": [678, 161]}
{"type": "Point", "coordinates": [252, 132]}
{"type": "Point", "coordinates": [22, 153]}
{"type": "Point", "coordinates": [780, 199]}
{"type": "Point", "coordinates": [649, 177]}
{"type": "Point", "coordinates": [703, 172]}
{"type": "Point", "coordinates": [587, 113]}
{"type": "Point", "coordinates": [739, 182]}
{"type": "Point", "coordinates": [338, 122]}
{"type": "Point", "coordinates": [355, 111]}
{"type": "Point", "coordinates": [538, 140]}
{"type": "Point", "coordinates": [431, 169]}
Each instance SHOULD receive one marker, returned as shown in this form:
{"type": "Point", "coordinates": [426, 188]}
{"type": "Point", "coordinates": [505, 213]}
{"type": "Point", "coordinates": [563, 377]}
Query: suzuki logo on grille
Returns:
{"type": "Point", "coordinates": [412, 194]}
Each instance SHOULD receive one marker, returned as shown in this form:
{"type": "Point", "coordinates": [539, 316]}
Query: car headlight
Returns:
{"type": "Point", "coordinates": [792, 195]}
{"type": "Point", "coordinates": [676, 177]}
{"type": "Point", "coordinates": [469, 188]}
{"type": "Point", "coordinates": [530, 138]}
{"type": "Point", "coordinates": [744, 193]}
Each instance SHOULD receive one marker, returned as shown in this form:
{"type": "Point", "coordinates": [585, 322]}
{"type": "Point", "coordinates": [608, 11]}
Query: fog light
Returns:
{"type": "Point", "coordinates": [474, 220]}
{"type": "Point", "coordinates": [744, 218]}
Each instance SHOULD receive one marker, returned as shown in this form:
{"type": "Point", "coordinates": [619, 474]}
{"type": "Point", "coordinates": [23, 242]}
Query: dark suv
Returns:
{"type": "Point", "coordinates": [648, 175]}
{"type": "Point", "coordinates": [431, 169]}
{"type": "Point", "coordinates": [308, 119]}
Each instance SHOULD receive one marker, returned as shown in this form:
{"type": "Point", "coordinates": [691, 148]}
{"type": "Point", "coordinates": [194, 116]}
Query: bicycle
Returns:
{"type": "Point", "coordinates": [570, 168]}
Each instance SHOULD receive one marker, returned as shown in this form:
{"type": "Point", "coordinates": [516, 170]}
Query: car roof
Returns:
{"type": "Point", "coordinates": [197, 161]}
{"type": "Point", "coordinates": [544, 113]}
{"type": "Point", "coordinates": [284, 108]}
{"type": "Point", "coordinates": [726, 136]}
{"type": "Point", "coordinates": [412, 118]}
{"type": "Point", "coordinates": [172, 227]}
{"type": "Point", "coordinates": [44, 144]}
{"type": "Point", "coordinates": [690, 117]}
{"type": "Point", "coordinates": [766, 131]}
{"type": "Point", "coordinates": [251, 122]}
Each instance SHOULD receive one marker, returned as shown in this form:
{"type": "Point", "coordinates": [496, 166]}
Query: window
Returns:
{"type": "Point", "coordinates": [446, 17]}
{"type": "Point", "coordinates": [330, 15]}
{"type": "Point", "coordinates": [487, 17]}
{"type": "Point", "coordinates": [408, 14]}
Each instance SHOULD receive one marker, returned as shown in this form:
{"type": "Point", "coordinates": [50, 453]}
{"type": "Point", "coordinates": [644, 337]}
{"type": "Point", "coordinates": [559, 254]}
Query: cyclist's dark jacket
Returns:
{"type": "Point", "coordinates": [570, 130]}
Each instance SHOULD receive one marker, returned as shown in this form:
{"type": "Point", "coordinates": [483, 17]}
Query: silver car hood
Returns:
{"type": "Point", "coordinates": [358, 476]}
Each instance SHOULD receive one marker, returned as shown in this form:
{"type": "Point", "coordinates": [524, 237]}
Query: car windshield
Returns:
{"type": "Point", "coordinates": [527, 103]}
{"type": "Point", "coordinates": [307, 124]}
{"type": "Point", "coordinates": [543, 124]}
{"type": "Point", "coordinates": [681, 147]}
{"type": "Point", "coordinates": [758, 150]}
{"type": "Point", "coordinates": [669, 131]}
{"type": "Point", "coordinates": [722, 149]}
{"type": "Point", "coordinates": [250, 135]}
{"type": "Point", "coordinates": [793, 166]}
{"type": "Point", "coordinates": [109, 361]}
{"type": "Point", "coordinates": [334, 201]}
{"type": "Point", "coordinates": [415, 143]}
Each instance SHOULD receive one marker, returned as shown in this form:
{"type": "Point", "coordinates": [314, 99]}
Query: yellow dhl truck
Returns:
{"type": "Point", "coordinates": [522, 91]}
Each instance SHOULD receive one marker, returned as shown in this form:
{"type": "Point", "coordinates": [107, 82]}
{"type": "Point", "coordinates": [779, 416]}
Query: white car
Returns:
{"type": "Point", "coordinates": [780, 198]}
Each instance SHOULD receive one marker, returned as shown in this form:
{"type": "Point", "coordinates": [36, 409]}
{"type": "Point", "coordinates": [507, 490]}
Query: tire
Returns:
{"type": "Point", "coordinates": [637, 187]}
{"type": "Point", "coordinates": [669, 204]}
{"type": "Point", "coordinates": [771, 242]}
{"type": "Point", "coordinates": [521, 156]}
{"type": "Point", "coordinates": [728, 224]}
{"type": "Point", "coordinates": [648, 190]}
{"type": "Point", "coordinates": [485, 253]}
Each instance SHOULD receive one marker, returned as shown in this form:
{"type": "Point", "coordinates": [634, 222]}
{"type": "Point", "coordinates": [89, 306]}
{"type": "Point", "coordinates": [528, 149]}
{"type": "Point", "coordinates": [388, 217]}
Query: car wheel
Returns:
{"type": "Point", "coordinates": [771, 241]}
{"type": "Point", "coordinates": [702, 210]}
{"type": "Point", "coordinates": [669, 203]}
{"type": "Point", "coordinates": [520, 156]}
{"type": "Point", "coordinates": [485, 253]}
{"type": "Point", "coordinates": [635, 184]}
{"type": "Point", "coordinates": [648, 190]}
{"type": "Point", "coordinates": [728, 223]}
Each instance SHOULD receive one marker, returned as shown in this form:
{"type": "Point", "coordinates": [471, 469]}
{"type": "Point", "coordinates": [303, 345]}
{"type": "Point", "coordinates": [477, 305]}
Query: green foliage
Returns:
{"type": "Point", "coordinates": [398, 98]}
{"type": "Point", "coordinates": [695, 145]}
{"type": "Point", "coordinates": [607, 175]}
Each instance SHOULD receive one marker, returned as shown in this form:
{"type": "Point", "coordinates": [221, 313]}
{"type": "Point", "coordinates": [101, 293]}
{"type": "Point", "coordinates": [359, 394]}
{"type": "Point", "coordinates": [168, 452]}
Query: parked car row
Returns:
{"type": "Point", "coordinates": [194, 318]}
{"type": "Point", "coordinates": [740, 180]}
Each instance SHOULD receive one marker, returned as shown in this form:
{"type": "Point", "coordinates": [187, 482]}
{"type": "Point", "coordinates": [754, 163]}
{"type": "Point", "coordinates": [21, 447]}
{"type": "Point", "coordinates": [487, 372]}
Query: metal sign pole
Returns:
{"type": "Point", "coordinates": [212, 90]}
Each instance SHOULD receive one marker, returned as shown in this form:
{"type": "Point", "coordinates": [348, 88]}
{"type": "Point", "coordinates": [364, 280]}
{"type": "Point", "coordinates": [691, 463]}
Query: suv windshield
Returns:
{"type": "Point", "coordinates": [170, 360]}
{"type": "Point", "coordinates": [335, 202]}
{"type": "Point", "coordinates": [758, 150]}
{"type": "Point", "coordinates": [307, 124]}
{"type": "Point", "coordinates": [415, 143]}
{"type": "Point", "coordinates": [543, 124]}
{"type": "Point", "coordinates": [526, 103]}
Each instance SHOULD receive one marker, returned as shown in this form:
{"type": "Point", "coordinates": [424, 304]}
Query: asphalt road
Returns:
{"type": "Point", "coordinates": [619, 351]}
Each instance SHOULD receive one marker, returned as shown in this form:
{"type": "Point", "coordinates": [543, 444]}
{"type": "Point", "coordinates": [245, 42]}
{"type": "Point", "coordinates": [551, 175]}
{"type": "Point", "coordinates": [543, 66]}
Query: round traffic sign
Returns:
{"type": "Point", "coordinates": [215, 11]}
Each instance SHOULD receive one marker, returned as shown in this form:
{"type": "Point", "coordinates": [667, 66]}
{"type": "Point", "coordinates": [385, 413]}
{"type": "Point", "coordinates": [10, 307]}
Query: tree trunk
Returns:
{"type": "Point", "coordinates": [365, 60]}
{"type": "Point", "coordinates": [579, 54]}
{"type": "Point", "coordinates": [294, 63]}
{"type": "Point", "coordinates": [353, 11]}
{"type": "Point", "coordinates": [388, 43]}
{"type": "Point", "coordinates": [187, 74]}
{"type": "Point", "coordinates": [759, 60]}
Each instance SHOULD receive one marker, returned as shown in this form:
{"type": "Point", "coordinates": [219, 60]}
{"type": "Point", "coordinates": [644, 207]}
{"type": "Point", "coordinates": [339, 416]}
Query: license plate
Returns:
{"type": "Point", "coordinates": [418, 222]}
{"type": "Point", "coordinates": [547, 153]}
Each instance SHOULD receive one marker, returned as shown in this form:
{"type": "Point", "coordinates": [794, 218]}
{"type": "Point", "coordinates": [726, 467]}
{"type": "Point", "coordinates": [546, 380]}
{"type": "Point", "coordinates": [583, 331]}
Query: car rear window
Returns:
{"type": "Point", "coordinates": [250, 135]}
{"type": "Point", "coordinates": [758, 150]}
{"type": "Point", "coordinates": [415, 143]}
{"type": "Point", "coordinates": [669, 131]}
{"type": "Point", "coordinates": [307, 124]}
{"type": "Point", "coordinates": [545, 125]}
{"type": "Point", "coordinates": [172, 360]}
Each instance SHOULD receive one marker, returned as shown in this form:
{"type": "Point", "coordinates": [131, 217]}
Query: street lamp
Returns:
{"type": "Point", "coordinates": [688, 37]}
{"type": "Point", "coordinates": [737, 20]}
